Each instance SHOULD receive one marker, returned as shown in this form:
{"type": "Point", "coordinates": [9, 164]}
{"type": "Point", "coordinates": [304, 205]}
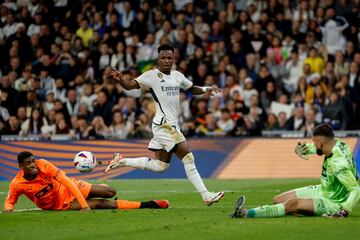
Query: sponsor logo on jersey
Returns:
{"type": "Point", "coordinates": [43, 191]}
{"type": "Point", "coordinates": [171, 90]}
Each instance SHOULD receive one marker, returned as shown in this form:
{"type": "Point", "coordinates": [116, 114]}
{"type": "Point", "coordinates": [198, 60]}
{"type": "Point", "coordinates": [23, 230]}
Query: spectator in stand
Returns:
{"type": "Point", "coordinates": [307, 48]}
{"type": "Point", "coordinates": [271, 122]}
{"type": "Point", "coordinates": [85, 32]}
{"type": "Point", "coordinates": [12, 127]}
{"type": "Point", "coordinates": [334, 112]}
{"type": "Point", "coordinates": [148, 51]}
{"type": "Point", "coordinates": [310, 122]}
{"type": "Point", "coordinates": [62, 127]}
{"type": "Point", "coordinates": [315, 62]}
{"type": "Point", "coordinates": [293, 69]}
{"type": "Point", "coordinates": [249, 90]}
{"type": "Point", "coordinates": [332, 29]}
{"type": "Point", "coordinates": [209, 127]}
{"type": "Point", "coordinates": [33, 125]}
{"type": "Point", "coordinates": [103, 108]}
{"type": "Point", "coordinates": [141, 128]}
{"type": "Point", "coordinates": [72, 102]}
{"type": "Point", "coordinates": [226, 124]}
{"type": "Point", "coordinates": [340, 66]}
{"type": "Point", "coordinates": [119, 127]}
{"type": "Point", "coordinates": [297, 121]}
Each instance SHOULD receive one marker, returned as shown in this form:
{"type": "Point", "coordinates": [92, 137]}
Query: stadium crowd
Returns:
{"type": "Point", "coordinates": [282, 65]}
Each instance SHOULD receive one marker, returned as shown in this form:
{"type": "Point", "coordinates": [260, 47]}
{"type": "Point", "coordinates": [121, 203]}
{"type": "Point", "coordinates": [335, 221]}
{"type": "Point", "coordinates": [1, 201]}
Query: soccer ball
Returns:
{"type": "Point", "coordinates": [85, 161]}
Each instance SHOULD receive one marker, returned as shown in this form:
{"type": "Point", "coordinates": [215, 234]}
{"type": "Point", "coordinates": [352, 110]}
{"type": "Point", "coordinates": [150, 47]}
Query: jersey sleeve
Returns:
{"type": "Point", "coordinates": [352, 200]}
{"type": "Point", "coordinates": [145, 80]}
{"type": "Point", "coordinates": [341, 169]}
{"type": "Point", "coordinates": [50, 168]}
{"type": "Point", "coordinates": [66, 181]}
{"type": "Point", "coordinates": [11, 198]}
{"type": "Point", "coordinates": [185, 83]}
{"type": "Point", "coordinates": [347, 178]}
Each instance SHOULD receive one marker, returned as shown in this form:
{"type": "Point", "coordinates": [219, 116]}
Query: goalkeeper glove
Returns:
{"type": "Point", "coordinates": [301, 150]}
{"type": "Point", "coordinates": [343, 213]}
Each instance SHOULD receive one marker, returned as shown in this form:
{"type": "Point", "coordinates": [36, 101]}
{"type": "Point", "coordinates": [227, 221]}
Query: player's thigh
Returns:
{"type": "Point", "coordinates": [163, 155]}
{"type": "Point", "coordinates": [101, 190]}
{"type": "Point", "coordinates": [181, 150]}
{"type": "Point", "coordinates": [300, 206]}
{"type": "Point", "coordinates": [283, 197]}
{"type": "Point", "coordinates": [304, 192]}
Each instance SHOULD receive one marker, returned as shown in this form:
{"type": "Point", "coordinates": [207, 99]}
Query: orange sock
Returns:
{"type": "Point", "coordinates": [124, 204]}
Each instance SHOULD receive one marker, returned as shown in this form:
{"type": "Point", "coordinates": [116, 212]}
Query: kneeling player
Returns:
{"type": "Point", "coordinates": [337, 194]}
{"type": "Point", "coordinates": [50, 189]}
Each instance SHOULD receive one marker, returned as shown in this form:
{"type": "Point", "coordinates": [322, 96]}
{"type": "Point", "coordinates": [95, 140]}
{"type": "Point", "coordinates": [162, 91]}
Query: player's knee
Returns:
{"type": "Point", "coordinates": [291, 205]}
{"type": "Point", "coordinates": [188, 158]}
{"type": "Point", "coordinates": [277, 199]}
{"type": "Point", "coordinates": [162, 166]}
{"type": "Point", "coordinates": [110, 192]}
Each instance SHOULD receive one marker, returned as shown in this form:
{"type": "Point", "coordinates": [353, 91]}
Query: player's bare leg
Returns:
{"type": "Point", "coordinates": [299, 206]}
{"type": "Point", "coordinates": [283, 197]}
{"type": "Point", "coordinates": [101, 191]}
{"type": "Point", "coordinates": [182, 152]}
{"type": "Point", "coordinates": [159, 164]}
{"type": "Point", "coordinates": [289, 207]}
{"type": "Point", "coordinates": [121, 204]}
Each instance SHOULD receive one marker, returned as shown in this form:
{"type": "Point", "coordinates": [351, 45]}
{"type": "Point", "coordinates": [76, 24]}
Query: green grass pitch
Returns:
{"type": "Point", "coordinates": [187, 218]}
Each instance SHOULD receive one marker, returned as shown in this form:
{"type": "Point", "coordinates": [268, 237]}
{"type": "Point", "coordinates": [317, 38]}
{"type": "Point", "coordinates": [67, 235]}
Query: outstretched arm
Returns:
{"type": "Point", "coordinates": [348, 180]}
{"type": "Point", "coordinates": [128, 85]}
{"type": "Point", "coordinates": [62, 178]}
{"type": "Point", "coordinates": [11, 199]}
{"type": "Point", "coordinates": [201, 90]}
{"type": "Point", "coordinates": [302, 149]}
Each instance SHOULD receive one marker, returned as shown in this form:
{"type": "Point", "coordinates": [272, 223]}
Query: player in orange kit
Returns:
{"type": "Point", "coordinates": [50, 189]}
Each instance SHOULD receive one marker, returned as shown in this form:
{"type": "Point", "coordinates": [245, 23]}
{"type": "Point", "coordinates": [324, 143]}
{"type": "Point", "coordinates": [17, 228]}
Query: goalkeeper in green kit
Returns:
{"type": "Point", "coordinates": [337, 194]}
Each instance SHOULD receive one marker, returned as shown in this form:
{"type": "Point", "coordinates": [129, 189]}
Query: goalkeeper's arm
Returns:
{"type": "Point", "coordinates": [302, 149]}
{"type": "Point", "coordinates": [347, 178]}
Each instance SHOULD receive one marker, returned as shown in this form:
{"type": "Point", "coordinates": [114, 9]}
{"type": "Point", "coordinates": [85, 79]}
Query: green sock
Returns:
{"type": "Point", "coordinates": [267, 211]}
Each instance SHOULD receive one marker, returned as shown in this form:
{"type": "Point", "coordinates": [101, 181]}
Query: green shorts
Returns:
{"type": "Point", "coordinates": [322, 205]}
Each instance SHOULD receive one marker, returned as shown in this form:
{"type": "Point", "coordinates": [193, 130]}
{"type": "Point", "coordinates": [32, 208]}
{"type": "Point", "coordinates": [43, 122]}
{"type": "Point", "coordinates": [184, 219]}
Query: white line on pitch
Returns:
{"type": "Point", "coordinates": [182, 191]}
{"type": "Point", "coordinates": [26, 210]}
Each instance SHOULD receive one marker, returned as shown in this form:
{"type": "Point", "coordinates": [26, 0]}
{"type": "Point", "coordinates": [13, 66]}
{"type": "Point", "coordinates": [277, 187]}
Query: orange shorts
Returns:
{"type": "Point", "coordinates": [68, 198]}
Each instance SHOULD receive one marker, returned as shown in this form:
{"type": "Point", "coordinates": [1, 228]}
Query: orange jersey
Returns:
{"type": "Point", "coordinates": [50, 190]}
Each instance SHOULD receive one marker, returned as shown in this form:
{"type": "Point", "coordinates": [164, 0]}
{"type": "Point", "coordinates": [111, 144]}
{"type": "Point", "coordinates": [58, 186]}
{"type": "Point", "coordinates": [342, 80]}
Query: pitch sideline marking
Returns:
{"type": "Point", "coordinates": [25, 210]}
{"type": "Point", "coordinates": [184, 191]}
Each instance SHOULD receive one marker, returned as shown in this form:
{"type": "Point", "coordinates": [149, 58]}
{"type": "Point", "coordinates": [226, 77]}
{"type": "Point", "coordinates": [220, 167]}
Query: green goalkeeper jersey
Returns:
{"type": "Point", "coordinates": [338, 180]}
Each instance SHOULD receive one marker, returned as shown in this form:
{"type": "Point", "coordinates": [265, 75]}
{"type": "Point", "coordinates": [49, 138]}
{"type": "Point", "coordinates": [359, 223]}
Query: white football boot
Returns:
{"type": "Point", "coordinates": [213, 197]}
{"type": "Point", "coordinates": [116, 162]}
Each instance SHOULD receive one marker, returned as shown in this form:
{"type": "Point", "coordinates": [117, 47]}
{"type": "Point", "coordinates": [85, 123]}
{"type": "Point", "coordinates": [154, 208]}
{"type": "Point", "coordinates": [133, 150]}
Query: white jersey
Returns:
{"type": "Point", "coordinates": [165, 89]}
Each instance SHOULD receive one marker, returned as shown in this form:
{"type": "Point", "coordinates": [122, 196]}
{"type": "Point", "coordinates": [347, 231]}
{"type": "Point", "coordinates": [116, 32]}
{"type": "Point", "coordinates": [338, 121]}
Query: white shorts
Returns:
{"type": "Point", "coordinates": [165, 137]}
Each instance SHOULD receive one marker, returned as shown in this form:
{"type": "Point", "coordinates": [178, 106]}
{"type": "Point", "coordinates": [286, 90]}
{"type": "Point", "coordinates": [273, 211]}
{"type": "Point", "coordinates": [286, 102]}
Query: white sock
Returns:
{"type": "Point", "coordinates": [146, 164]}
{"type": "Point", "coordinates": [194, 176]}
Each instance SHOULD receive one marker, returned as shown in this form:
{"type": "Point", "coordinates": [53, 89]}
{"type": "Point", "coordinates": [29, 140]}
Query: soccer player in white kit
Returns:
{"type": "Point", "coordinates": [164, 84]}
